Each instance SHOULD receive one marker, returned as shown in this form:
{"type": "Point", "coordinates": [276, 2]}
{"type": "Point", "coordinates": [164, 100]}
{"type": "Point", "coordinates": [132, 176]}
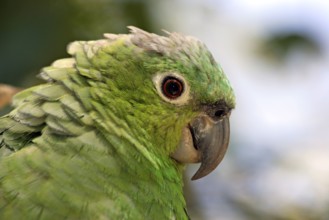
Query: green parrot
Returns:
{"type": "Point", "coordinates": [108, 133]}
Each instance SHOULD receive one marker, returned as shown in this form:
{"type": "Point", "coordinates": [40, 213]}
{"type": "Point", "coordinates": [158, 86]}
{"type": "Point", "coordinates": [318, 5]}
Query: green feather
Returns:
{"type": "Point", "coordinates": [94, 141]}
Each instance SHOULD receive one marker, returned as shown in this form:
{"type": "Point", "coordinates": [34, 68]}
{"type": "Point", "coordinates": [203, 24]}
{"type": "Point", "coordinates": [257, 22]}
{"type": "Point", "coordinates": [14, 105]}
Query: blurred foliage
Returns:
{"type": "Point", "coordinates": [278, 46]}
{"type": "Point", "coordinates": [35, 33]}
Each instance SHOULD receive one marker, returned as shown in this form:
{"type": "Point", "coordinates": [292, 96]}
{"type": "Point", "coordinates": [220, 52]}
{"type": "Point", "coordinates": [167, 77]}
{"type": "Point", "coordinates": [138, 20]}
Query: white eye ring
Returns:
{"type": "Point", "coordinates": [183, 98]}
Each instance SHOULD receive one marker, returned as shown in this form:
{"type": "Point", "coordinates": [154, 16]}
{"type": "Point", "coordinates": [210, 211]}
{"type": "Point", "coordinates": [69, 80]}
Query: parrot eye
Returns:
{"type": "Point", "coordinates": [172, 87]}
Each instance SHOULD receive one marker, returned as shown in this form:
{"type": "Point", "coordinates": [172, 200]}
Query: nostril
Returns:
{"type": "Point", "coordinates": [219, 113]}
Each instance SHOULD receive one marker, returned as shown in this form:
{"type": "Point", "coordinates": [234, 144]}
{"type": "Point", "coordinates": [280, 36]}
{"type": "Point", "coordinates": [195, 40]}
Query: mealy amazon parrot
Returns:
{"type": "Point", "coordinates": [108, 133]}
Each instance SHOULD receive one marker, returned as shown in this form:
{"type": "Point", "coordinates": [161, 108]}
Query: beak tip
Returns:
{"type": "Point", "coordinates": [195, 177]}
{"type": "Point", "coordinates": [202, 172]}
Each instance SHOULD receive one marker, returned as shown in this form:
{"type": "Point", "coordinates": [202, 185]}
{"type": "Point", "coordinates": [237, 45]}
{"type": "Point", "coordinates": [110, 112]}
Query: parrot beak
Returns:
{"type": "Point", "coordinates": [204, 140]}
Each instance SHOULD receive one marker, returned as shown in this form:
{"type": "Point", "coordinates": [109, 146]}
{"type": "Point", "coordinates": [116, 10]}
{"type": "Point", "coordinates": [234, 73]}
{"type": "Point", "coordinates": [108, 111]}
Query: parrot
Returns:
{"type": "Point", "coordinates": [109, 132]}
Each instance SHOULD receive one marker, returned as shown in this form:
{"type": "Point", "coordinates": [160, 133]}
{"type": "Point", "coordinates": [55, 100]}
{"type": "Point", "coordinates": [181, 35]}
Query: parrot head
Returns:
{"type": "Point", "coordinates": [172, 95]}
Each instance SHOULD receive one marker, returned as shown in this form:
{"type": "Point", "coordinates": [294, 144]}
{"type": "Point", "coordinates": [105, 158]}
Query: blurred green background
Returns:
{"type": "Point", "coordinates": [276, 54]}
{"type": "Point", "coordinates": [35, 33]}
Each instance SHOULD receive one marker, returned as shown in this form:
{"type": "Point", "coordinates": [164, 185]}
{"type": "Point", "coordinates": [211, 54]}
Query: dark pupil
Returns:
{"type": "Point", "coordinates": [172, 87]}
